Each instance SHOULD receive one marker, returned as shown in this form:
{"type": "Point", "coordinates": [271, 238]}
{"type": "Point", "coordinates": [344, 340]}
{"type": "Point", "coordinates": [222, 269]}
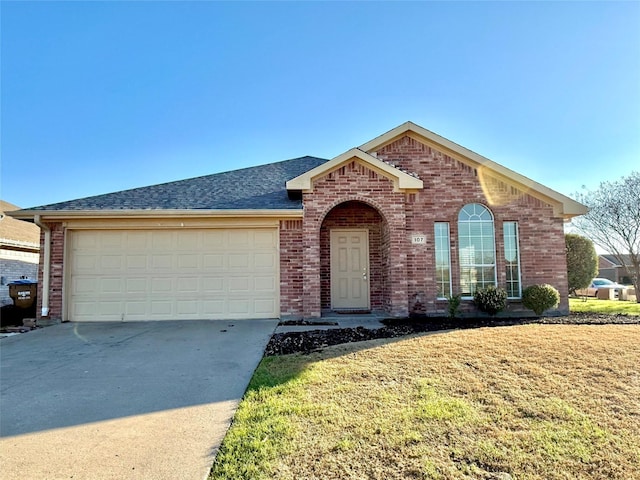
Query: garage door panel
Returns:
{"type": "Point", "coordinates": [189, 261]}
{"type": "Point", "coordinates": [135, 309]}
{"type": "Point", "coordinates": [188, 285]}
{"type": "Point", "coordinates": [189, 240]}
{"type": "Point", "coordinates": [136, 262]}
{"type": "Point", "coordinates": [162, 262]}
{"type": "Point", "coordinates": [213, 239]}
{"type": "Point", "coordinates": [214, 308]}
{"type": "Point", "coordinates": [213, 262]}
{"type": "Point", "coordinates": [239, 306]}
{"type": "Point", "coordinates": [264, 306]}
{"type": "Point", "coordinates": [239, 284]}
{"type": "Point", "coordinates": [213, 285]}
{"type": "Point", "coordinates": [161, 307]}
{"type": "Point", "coordinates": [265, 261]}
{"type": "Point", "coordinates": [160, 286]}
{"type": "Point", "coordinates": [180, 274]}
{"type": "Point", "coordinates": [111, 286]}
{"type": "Point", "coordinates": [87, 263]}
{"type": "Point", "coordinates": [163, 240]}
{"type": "Point", "coordinates": [111, 262]}
{"type": "Point", "coordinates": [187, 307]}
{"type": "Point", "coordinates": [265, 238]}
{"type": "Point", "coordinates": [137, 240]}
{"type": "Point", "coordinates": [111, 240]}
{"type": "Point", "coordinates": [136, 286]}
{"type": "Point", "coordinates": [240, 238]}
{"type": "Point", "coordinates": [239, 261]}
{"type": "Point", "coordinates": [83, 285]}
{"type": "Point", "coordinates": [264, 284]}
{"type": "Point", "coordinates": [111, 308]}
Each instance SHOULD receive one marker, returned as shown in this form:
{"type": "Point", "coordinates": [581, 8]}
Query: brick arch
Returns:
{"type": "Point", "coordinates": [359, 215]}
{"type": "Point", "coordinates": [356, 198]}
{"type": "Point", "coordinates": [393, 222]}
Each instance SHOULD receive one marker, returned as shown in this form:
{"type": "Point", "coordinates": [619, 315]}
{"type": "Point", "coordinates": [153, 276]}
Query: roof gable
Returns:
{"type": "Point", "coordinates": [402, 181]}
{"type": "Point", "coordinates": [563, 205]}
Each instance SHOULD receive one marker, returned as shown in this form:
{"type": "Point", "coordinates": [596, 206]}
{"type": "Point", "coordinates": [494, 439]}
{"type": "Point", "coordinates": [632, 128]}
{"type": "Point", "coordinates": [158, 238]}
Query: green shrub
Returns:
{"type": "Point", "coordinates": [490, 300]}
{"type": "Point", "coordinates": [540, 298]}
{"type": "Point", "coordinates": [454, 305]}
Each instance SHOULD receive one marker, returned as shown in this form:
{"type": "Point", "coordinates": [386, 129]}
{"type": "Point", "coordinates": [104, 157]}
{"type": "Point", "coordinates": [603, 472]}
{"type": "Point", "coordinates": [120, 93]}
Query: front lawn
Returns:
{"type": "Point", "coordinates": [533, 401]}
{"type": "Point", "coordinates": [608, 307]}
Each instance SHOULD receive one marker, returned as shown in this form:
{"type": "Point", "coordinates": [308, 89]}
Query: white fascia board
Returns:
{"type": "Point", "coordinates": [50, 215]}
{"type": "Point", "coordinates": [402, 180]}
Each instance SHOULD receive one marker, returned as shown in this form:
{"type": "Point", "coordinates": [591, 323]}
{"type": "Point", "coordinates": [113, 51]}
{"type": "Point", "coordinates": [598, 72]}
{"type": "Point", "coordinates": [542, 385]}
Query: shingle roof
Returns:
{"type": "Point", "coordinates": [14, 232]}
{"type": "Point", "coordinates": [261, 187]}
{"type": "Point", "coordinates": [613, 260]}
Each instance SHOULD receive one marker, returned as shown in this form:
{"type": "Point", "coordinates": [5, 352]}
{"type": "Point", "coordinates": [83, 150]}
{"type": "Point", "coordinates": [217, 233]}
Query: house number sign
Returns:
{"type": "Point", "coordinates": [418, 239]}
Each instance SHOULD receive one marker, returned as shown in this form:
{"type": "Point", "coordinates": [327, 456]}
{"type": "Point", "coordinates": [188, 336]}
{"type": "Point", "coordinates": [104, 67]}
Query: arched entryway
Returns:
{"type": "Point", "coordinates": [354, 259]}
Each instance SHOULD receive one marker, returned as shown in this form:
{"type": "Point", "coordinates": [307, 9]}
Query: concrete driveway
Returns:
{"type": "Point", "coordinates": [148, 400]}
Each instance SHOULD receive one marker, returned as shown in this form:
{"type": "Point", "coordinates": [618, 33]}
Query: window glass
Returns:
{"type": "Point", "coordinates": [443, 259]}
{"type": "Point", "coordinates": [512, 259]}
{"type": "Point", "coordinates": [476, 248]}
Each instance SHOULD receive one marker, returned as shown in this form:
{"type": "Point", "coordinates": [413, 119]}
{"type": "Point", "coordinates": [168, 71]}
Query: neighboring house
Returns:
{"type": "Point", "coordinates": [19, 251]}
{"type": "Point", "coordinates": [395, 226]}
{"type": "Point", "coordinates": [609, 267]}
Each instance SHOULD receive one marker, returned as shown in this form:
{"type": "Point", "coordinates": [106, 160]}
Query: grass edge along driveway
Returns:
{"type": "Point", "coordinates": [534, 401]}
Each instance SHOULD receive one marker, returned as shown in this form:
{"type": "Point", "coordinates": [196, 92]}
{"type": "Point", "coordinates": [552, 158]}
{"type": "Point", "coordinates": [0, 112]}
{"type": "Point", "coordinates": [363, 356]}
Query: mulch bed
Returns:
{"type": "Point", "coordinates": [313, 340]}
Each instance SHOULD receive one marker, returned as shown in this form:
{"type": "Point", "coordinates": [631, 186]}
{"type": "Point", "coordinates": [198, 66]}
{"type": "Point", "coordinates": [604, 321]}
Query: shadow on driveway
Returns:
{"type": "Point", "coordinates": [82, 379]}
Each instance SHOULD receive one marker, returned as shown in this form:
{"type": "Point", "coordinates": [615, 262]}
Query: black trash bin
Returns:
{"type": "Point", "coordinates": [24, 293]}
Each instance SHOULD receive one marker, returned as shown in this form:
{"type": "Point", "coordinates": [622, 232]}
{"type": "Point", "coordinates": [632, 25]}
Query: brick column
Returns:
{"type": "Point", "coordinates": [311, 267]}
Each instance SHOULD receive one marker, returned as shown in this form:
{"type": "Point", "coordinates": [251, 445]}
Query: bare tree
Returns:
{"type": "Point", "coordinates": [613, 222]}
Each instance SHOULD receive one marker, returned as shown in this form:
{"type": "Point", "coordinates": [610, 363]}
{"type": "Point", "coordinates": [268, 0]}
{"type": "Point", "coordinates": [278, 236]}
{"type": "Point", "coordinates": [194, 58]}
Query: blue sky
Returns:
{"type": "Point", "coordinates": [103, 96]}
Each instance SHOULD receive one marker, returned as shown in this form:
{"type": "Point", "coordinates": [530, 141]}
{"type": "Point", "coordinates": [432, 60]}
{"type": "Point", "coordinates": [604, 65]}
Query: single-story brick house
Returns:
{"type": "Point", "coordinates": [395, 225]}
{"type": "Point", "coordinates": [610, 267]}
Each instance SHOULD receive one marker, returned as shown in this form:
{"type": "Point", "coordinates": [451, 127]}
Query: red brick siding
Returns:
{"type": "Point", "coordinates": [353, 215]}
{"type": "Point", "coordinates": [356, 182]}
{"type": "Point", "coordinates": [448, 185]}
{"type": "Point", "coordinates": [291, 268]}
{"type": "Point", "coordinates": [56, 272]}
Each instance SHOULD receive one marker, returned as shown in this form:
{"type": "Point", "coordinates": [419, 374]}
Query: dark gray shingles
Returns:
{"type": "Point", "coordinates": [261, 187]}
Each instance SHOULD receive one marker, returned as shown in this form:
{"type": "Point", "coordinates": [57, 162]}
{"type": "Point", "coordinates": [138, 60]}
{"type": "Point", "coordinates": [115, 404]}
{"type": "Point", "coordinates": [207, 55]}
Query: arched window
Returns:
{"type": "Point", "coordinates": [476, 248]}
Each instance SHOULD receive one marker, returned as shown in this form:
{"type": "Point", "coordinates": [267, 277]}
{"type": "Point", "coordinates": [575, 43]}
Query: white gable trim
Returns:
{"type": "Point", "coordinates": [402, 181]}
{"type": "Point", "coordinates": [563, 205]}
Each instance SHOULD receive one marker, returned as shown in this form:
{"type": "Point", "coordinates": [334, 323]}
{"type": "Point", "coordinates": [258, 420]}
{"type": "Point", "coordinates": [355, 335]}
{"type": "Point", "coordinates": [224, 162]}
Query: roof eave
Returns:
{"type": "Point", "coordinates": [52, 215]}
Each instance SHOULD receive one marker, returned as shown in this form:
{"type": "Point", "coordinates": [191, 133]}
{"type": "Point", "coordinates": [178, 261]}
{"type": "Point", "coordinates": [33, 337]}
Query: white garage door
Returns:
{"type": "Point", "coordinates": [173, 274]}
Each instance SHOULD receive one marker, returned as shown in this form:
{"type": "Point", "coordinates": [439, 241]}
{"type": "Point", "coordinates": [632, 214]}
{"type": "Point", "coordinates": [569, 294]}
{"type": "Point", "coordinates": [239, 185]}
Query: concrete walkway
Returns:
{"type": "Point", "coordinates": [332, 321]}
{"type": "Point", "coordinates": [148, 400]}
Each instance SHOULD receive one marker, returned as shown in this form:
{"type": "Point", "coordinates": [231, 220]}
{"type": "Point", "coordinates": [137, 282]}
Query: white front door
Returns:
{"type": "Point", "coordinates": [349, 269]}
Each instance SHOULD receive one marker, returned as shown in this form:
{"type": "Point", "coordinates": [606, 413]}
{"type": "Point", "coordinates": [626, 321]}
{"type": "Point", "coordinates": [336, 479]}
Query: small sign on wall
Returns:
{"type": "Point", "coordinates": [418, 239]}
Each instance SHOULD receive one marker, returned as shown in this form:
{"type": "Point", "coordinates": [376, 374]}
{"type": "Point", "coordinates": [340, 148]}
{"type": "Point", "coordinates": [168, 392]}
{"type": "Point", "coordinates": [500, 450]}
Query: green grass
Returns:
{"type": "Point", "coordinates": [607, 307]}
{"type": "Point", "coordinates": [536, 401]}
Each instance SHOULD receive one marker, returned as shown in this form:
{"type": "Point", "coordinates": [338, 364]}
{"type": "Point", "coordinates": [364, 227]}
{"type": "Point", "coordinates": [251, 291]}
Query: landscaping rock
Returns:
{"type": "Point", "coordinates": [313, 340]}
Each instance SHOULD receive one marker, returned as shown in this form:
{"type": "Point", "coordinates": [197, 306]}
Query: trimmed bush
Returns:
{"type": "Point", "coordinates": [454, 305]}
{"type": "Point", "coordinates": [490, 300]}
{"type": "Point", "coordinates": [540, 298]}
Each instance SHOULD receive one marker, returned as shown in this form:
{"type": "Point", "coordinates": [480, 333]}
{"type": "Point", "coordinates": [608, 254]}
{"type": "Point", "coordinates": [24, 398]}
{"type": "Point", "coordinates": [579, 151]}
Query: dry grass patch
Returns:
{"type": "Point", "coordinates": [535, 401]}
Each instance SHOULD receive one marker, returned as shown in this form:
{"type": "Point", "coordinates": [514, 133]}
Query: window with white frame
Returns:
{"type": "Point", "coordinates": [512, 259]}
{"type": "Point", "coordinates": [476, 249]}
{"type": "Point", "coordinates": [443, 259]}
